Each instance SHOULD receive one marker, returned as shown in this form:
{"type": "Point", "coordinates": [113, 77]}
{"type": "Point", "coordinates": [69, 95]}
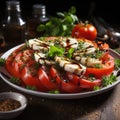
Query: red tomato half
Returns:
{"type": "Point", "coordinates": [84, 30]}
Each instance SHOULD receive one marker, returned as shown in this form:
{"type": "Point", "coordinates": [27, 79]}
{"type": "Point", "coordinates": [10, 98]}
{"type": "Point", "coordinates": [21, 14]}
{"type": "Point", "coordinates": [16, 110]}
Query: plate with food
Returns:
{"type": "Point", "coordinates": [61, 67]}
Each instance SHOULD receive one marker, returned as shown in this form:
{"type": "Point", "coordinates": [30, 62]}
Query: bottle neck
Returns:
{"type": "Point", "coordinates": [14, 17]}
{"type": "Point", "coordinates": [13, 13]}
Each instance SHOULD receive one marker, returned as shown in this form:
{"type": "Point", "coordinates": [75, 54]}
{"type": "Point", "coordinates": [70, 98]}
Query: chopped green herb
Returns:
{"type": "Point", "coordinates": [96, 88]}
{"type": "Point", "coordinates": [117, 63]}
{"type": "Point", "coordinates": [15, 80]}
{"type": "Point", "coordinates": [70, 52]}
{"type": "Point", "coordinates": [31, 87]}
{"type": "Point", "coordinates": [42, 38]}
{"type": "Point", "coordinates": [54, 50]}
{"type": "Point", "coordinates": [80, 45]}
{"type": "Point", "coordinates": [108, 80]}
{"type": "Point", "coordinates": [92, 77]}
{"type": "Point", "coordinates": [98, 53]}
{"type": "Point", "coordinates": [97, 66]}
{"type": "Point", "coordinates": [24, 47]}
{"type": "Point", "coordinates": [36, 65]}
{"type": "Point", "coordinates": [2, 61]}
{"type": "Point", "coordinates": [54, 91]}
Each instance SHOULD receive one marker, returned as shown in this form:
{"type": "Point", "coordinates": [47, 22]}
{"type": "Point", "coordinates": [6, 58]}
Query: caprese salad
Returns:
{"type": "Point", "coordinates": [61, 65]}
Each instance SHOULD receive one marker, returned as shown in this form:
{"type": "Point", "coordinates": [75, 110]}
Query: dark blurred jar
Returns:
{"type": "Point", "coordinates": [39, 16]}
{"type": "Point", "coordinates": [2, 42]}
{"type": "Point", "coordinates": [13, 26]}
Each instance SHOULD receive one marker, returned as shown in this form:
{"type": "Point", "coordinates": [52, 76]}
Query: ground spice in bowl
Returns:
{"type": "Point", "coordinates": [9, 104]}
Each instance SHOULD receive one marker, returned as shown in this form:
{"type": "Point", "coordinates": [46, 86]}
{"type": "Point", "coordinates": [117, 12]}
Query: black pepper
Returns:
{"type": "Point", "coordinates": [9, 104]}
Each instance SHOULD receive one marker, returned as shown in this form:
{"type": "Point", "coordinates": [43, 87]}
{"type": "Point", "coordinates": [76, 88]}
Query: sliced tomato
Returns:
{"type": "Point", "coordinates": [17, 65]}
{"type": "Point", "coordinates": [73, 78]}
{"type": "Point", "coordinates": [46, 80]}
{"type": "Point", "coordinates": [104, 57]}
{"type": "Point", "coordinates": [106, 69]}
{"type": "Point", "coordinates": [20, 60]}
{"type": "Point", "coordinates": [87, 84]}
{"type": "Point", "coordinates": [69, 87]}
{"type": "Point", "coordinates": [55, 75]}
{"type": "Point", "coordinates": [9, 61]}
{"type": "Point", "coordinates": [30, 76]}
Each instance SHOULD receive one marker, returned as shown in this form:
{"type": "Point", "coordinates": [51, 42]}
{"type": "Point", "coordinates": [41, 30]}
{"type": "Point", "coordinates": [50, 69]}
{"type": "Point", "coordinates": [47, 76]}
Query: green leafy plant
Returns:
{"type": "Point", "coordinates": [60, 25]}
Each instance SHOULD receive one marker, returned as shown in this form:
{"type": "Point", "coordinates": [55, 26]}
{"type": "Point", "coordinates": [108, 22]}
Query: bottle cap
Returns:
{"type": "Point", "coordinates": [39, 9]}
{"type": "Point", "coordinates": [13, 5]}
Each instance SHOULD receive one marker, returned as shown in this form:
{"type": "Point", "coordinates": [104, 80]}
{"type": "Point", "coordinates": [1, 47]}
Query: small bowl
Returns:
{"type": "Point", "coordinates": [15, 112]}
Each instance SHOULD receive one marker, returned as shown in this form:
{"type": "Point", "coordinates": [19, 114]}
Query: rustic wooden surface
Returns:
{"type": "Point", "coordinates": [105, 106]}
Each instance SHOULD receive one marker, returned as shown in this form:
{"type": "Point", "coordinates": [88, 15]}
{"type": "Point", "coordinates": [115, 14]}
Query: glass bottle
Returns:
{"type": "Point", "coordinates": [13, 26]}
{"type": "Point", "coordinates": [38, 16]}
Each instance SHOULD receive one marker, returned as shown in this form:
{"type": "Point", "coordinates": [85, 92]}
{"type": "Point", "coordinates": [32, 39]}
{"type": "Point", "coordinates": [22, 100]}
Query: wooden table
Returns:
{"type": "Point", "coordinates": [105, 106]}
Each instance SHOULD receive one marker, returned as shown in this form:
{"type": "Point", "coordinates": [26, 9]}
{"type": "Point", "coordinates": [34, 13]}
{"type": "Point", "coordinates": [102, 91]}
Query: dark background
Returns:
{"type": "Point", "coordinates": [108, 10]}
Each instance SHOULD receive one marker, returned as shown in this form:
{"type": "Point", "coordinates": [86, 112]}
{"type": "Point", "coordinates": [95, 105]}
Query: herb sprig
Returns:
{"type": "Point", "coordinates": [60, 25]}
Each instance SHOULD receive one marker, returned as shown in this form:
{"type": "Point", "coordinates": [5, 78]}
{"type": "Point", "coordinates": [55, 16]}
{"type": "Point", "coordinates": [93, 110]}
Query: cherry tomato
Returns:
{"type": "Point", "coordinates": [84, 30]}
